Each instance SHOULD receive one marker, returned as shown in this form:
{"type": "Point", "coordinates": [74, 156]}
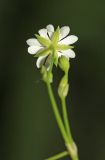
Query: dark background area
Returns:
{"type": "Point", "coordinates": [28, 128]}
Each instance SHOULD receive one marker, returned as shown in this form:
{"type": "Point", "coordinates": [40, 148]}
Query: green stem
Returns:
{"type": "Point", "coordinates": [56, 113]}
{"type": "Point", "coordinates": [68, 140]}
{"type": "Point", "coordinates": [58, 156]}
{"type": "Point", "coordinates": [72, 148]}
{"type": "Point", "coordinates": [65, 118]}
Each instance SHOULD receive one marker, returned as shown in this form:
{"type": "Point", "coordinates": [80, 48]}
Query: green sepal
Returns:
{"type": "Point", "coordinates": [55, 37]}
{"type": "Point", "coordinates": [42, 52]}
{"type": "Point", "coordinates": [45, 42]}
{"type": "Point", "coordinates": [64, 47]}
{"type": "Point", "coordinates": [55, 58]}
{"type": "Point", "coordinates": [51, 56]}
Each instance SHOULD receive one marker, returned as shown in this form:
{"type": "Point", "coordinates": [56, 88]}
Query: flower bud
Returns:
{"type": "Point", "coordinates": [44, 73]}
{"type": "Point", "coordinates": [50, 76]}
{"type": "Point", "coordinates": [47, 75]}
{"type": "Point", "coordinates": [64, 64]}
{"type": "Point", "coordinates": [63, 87]}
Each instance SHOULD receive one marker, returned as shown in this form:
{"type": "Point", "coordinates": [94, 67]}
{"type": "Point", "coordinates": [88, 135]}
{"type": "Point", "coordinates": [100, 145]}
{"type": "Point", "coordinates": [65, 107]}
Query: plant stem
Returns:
{"type": "Point", "coordinates": [65, 118]}
{"type": "Point", "coordinates": [56, 113]}
{"type": "Point", "coordinates": [71, 147]}
{"type": "Point", "coordinates": [58, 156]}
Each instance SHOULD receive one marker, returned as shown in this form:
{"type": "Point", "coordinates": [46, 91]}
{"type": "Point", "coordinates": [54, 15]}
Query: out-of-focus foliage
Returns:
{"type": "Point", "coordinates": [28, 128]}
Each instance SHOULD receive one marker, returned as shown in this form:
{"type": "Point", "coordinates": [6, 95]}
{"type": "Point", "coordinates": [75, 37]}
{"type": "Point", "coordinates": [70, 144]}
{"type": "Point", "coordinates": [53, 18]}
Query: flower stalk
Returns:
{"type": "Point", "coordinates": [65, 118]}
{"type": "Point", "coordinates": [56, 113]}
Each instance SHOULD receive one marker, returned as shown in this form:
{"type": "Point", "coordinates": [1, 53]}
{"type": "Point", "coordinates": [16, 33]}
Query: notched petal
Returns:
{"type": "Point", "coordinates": [50, 28]}
{"type": "Point", "coordinates": [33, 42]}
{"type": "Point", "coordinates": [69, 53]}
{"type": "Point", "coordinates": [43, 33]}
{"type": "Point", "coordinates": [69, 40]}
{"type": "Point", "coordinates": [64, 31]}
{"type": "Point", "coordinates": [34, 49]}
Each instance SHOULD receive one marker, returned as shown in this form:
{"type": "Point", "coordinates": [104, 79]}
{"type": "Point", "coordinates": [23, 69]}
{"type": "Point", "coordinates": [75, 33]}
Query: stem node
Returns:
{"type": "Point", "coordinates": [73, 151]}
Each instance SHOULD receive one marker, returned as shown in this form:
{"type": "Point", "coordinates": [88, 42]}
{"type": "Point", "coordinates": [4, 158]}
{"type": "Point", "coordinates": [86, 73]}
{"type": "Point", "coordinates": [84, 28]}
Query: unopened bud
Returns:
{"type": "Point", "coordinates": [50, 76]}
{"type": "Point", "coordinates": [44, 73]}
{"type": "Point", "coordinates": [64, 64]}
{"type": "Point", "coordinates": [47, 75]}
{"type": "Point", "coordinates": [63, 87]}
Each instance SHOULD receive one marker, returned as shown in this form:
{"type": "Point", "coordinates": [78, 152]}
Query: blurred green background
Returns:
{"type": "Point", "coordinates": [28, 128]}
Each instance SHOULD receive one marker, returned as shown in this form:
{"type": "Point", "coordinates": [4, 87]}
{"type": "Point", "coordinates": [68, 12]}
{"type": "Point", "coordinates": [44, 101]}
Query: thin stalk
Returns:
{"type": "Point", "coordinates": [56, 113]}
{"type": "Point", "coordinates": [66, 120]}
{"type": "Point", "coordinates": [68, 141]}
{"type": "Point", "coordinates": [58, 156]}
{"type": "Point", "coordinates": [72, 148]}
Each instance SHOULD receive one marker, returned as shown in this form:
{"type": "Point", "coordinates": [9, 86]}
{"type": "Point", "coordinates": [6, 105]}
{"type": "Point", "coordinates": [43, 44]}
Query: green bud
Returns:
{"type": "Point", "coordinates": [64, 64]}
{"type": "Point", "coordinates": [44, 73]}
{"type": "Point", "coordinates": [47, 75]}
{"type": "Point", "coordinates": [63, 87]}
{"type": "Point", "coordinates": [50, 76]}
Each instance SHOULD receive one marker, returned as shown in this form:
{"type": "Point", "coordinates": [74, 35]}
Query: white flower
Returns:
{"type": "Point", "coordinates": [50, 42]}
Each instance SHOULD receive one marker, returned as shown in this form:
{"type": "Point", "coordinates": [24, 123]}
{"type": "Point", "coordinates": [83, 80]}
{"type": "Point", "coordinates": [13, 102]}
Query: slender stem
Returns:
{"type": "Point", "coordinates": [68, 140]}
{"type": "Point", "coordinates": [58, 156]}
{"type": "Point", "coordinates": [65, 118]}
{"type": "Point", "coordinates": [72, 148]}
{"type": "Point", "coordinates": [56, 113]}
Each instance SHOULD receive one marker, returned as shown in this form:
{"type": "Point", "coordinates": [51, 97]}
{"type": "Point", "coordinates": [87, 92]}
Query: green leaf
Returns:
{"type": "Point", "coordinates": [63, 47]}
{"type": "Point", "coordinates": [43, 52]}
{"type": "Point", "coordinates": [45, 42]}
{"type": "Point", "coordinates": [55, 37]}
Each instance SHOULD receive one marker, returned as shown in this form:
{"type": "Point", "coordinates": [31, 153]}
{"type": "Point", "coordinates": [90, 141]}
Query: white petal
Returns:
{"type": "Point", "coordinates": [69, 53]}
{"type": "Point", "coordinates": [69, 40]}
{"type": "Point", "coordinates": [50, 30]}
{"type": "Point", "coordinates": [33, 42]}
{"type": "Point", "coordinates": [64, 31]}
{"type": "Point", "coordinates": [40, 61]}
{"type": "Point", "coordinates": [43, 33]}
{"type": "Point", "coordinates": [34, 49]}
{"type": "Point", "coordinates": [59, 54]}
